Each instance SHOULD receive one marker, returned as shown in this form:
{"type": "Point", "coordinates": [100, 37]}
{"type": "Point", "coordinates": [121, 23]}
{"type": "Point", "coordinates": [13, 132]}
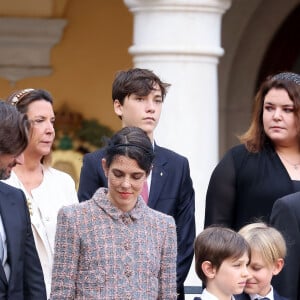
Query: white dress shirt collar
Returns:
{"type": "Point", "coordinates": [206, 295]}
{"type": "Point", "coordinates": [270, 295]}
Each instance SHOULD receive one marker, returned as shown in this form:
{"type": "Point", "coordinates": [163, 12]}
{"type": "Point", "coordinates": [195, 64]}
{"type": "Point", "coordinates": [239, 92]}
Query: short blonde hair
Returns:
{"type": "Point", "coordinates": [265, 239]}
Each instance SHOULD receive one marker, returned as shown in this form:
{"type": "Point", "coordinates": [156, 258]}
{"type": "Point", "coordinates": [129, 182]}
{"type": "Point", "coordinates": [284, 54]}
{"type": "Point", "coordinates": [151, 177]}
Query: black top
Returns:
{"type": "Point", "coordinates": [296, 184]}
{"type": "Point", "coordinates": [244, 186]}
{"type": "Point", "coordinates": [285, 217]}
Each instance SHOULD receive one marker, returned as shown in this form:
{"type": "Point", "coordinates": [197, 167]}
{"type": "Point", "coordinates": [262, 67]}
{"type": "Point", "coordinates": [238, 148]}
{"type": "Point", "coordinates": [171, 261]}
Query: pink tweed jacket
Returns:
{"type": "Point", "coordinates": [104, 253]}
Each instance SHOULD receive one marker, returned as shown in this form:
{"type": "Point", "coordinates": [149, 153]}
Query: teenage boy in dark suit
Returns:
{"type": "Point", "coordinates": [138, 96]}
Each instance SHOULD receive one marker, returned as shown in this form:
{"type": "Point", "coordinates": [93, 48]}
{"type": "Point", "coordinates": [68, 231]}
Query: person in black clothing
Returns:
{"type": "Point", "coordinates": [265, 167]}
{"type": "Point", "coordinates": [285, 216]}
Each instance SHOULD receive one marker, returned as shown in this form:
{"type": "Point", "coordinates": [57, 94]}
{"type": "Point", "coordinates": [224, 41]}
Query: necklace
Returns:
{"type": "Point", "coordinates": [295, 166]}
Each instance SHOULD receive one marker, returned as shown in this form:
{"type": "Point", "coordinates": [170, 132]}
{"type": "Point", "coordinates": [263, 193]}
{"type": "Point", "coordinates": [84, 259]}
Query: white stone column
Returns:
{"type": "Point", "coordinates": [180, 41]}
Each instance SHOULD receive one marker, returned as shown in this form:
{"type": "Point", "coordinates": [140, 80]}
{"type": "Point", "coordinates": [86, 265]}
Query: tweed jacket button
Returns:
{"type": "Point", "coordinates": [126, 219]}
{"type": "Point", "coordinates": [127, 246]}
{"type": "Point", "coordinates": [128, 273]}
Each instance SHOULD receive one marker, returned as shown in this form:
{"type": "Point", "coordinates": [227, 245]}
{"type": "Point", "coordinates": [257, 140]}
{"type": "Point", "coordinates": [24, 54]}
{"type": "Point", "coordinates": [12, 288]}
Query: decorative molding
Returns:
{"type": "Point", "coordinates": [25, 46]}
{"type": "Point", "coordinates": [34, 8]}
{"type": "Point", "coordinates": [172, 30]}
{"type": "Point", "coordinates": [217, 6]}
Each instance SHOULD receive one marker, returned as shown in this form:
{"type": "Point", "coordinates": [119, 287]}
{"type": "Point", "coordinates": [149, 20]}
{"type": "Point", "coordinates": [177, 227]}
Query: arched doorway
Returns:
{"type": "Point", "coordinates": [283, 52]}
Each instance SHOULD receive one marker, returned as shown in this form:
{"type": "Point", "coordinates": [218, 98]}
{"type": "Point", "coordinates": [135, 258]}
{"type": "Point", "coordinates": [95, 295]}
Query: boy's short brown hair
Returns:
{"type": "Point", "coordinates": [136, 81]}
{"type": "Point", "coordinates": [215, 244]}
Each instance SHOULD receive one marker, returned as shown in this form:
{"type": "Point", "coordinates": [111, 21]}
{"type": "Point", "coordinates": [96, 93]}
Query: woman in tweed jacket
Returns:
{"type": "Point", "coordinates": [114, 246]}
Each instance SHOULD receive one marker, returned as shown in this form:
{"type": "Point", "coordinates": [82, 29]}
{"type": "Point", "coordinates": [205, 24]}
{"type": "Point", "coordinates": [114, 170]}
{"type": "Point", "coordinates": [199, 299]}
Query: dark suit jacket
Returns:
{"type": "Point", "coordinates": [244, 186]}
{"type": "Point", "coordinates": [26, 280]}
{"type": "Point", "coordinates": [171, 192]}
{"type": "Point", "coordinates": [286, 218]}
{"type": "Point", "coordinates": [245, 296]}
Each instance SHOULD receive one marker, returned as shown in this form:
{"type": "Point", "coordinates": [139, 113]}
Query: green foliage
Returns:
{"type": "Point", "coordinates": [92, 131]}
{"type": "Point", "coordinates": [65, 143]}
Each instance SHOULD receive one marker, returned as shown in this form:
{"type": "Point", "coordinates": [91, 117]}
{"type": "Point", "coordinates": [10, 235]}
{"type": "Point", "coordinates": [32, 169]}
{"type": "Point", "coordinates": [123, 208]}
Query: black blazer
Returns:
{"type": "Point", "coordinates": [286, 218]}
{"type": "Point", "coordinates": [171, 192]}
{"type": "Point", "coordinates": [245, 296]}
{"type": "Point", "coordinates": [26, 280]}
{"type": "Point", "coordinates": [244, 186]}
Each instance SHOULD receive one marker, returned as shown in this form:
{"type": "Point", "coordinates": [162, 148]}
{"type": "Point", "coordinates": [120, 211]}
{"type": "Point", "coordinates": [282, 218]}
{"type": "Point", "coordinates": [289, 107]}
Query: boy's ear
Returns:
{"type": "Point", "coordinates": [208, 269]}
{"type": "Point", "coordinates": [103, 161]}
{"type": "Point", "coordinates": [118, 108]}
{"type": "Point", "coordinates": [278, 266]}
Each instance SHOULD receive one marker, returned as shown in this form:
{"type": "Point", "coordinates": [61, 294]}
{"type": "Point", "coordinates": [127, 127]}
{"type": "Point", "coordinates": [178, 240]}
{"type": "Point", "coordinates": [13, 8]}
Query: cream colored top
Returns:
{"type": "Point", "coordinates": [56, 190]}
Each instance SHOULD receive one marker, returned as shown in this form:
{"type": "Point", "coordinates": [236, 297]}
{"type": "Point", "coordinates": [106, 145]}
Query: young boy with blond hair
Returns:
{"type": "Point", "coordinates": [268, 250]}
{"type": "Point", "coordinates": [221, 259]}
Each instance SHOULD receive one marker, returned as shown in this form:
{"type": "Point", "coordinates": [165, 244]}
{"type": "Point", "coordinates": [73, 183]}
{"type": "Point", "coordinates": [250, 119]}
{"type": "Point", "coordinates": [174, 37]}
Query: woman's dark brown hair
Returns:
{"type": "Point", "coordinates": [21, 100]}
{"type": "Point", "coordinates": [13, 130]}
{"type": "Point", "coordinates": [255, 137]}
